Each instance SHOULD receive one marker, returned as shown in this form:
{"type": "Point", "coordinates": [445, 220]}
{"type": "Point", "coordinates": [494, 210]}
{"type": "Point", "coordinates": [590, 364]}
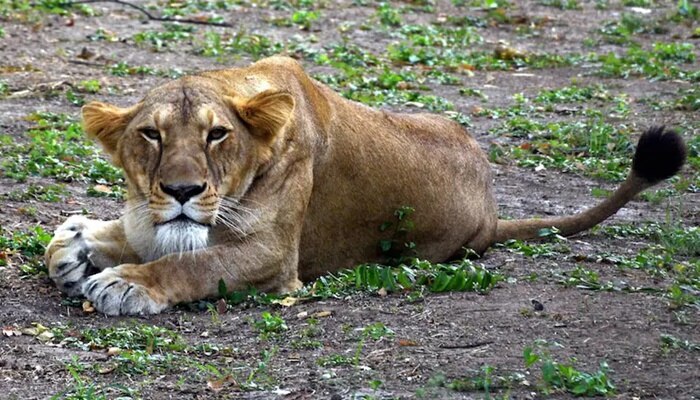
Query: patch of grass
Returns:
{"type": "Point", "coordinates": [34, 11]}
{"type": "Point", "coordinates": [536, 250]}
{"type": "Point", "coordinates": [661, 62]}
{"type": "Point", "coordinates": [561, 4]}
{"type": "Point", "coordinates": [461, 276]}
{"type": "Point", "coordinates": [239, 43]}
{"type": "Point", "coordinates": [583, 278]}
{"type": "Point", "coordinates": [89, 86]}
{"type": "Point", "coordinates": [572, 94]}
{"type": "Point", "coordinates": [149, 338]}
{"type": "Point", "coordinates": [688, 100]}
{"type": "Point", "coordinates": [591, 147]}
{"type": "Point", "coordinates": [334, 360]}
{"type": "Point", "coordinates": [670, 342]}
{"type": "Point", "coordinates": [555, 375]}
{"type": "Point", "coordinates": [25, 248]}
{"type": "Point", "coordinates": [471, 92]}
{"type": "Point", "coordinates": [57, 148]}
{"type": "Point", "coordinates": [680, 240]}
{"type": "Point", "coordinates": [623, 30]}
{"type": "Point", "coordinates": [80, 389]}
{"type": "Point", "coordinates": [46, 193]}
{"type": "Point", "coordinates": [637, 3]}
{"type": "Point", "coordinates": [485, 380]}
{"type": "Point", "coordinates": [377, 331]}
{"type": "Point", "coordinates": [122, 68]}
{"type": "Point", "coordinates": [686, 11]}
{"type": "Point", "coordinates": [307, 336]}
{"type": "Point", "coordinates": [160, 40]}
{"type": "Point", "coordinates": [270, 325]}
{"type": "Point", "coordinates": [388, 15]}
{"type": "Point", "coordinates": [385, 88]}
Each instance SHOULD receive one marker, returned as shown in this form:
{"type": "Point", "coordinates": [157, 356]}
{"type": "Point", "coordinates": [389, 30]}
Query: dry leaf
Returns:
{"type": "Point", "coordinates": [303, 314]}
{"type": "Point", "coordinates": [45, 336]}
{"type": "Point", "coordinates": [113, 351]}
{"type": "Point", "coordinates": [407, 342]}
{"type": "Point", "coordinates": [36, 330]}
{"type": "Point", "coordinates": [10, 331]}
{"type": "Point", "coordinates": [321, 314]}
{"type": "Point", "coordinates": [102, 189]}
{"type": "Point", "coordinates": [287, 301]}
{"type": "Point", "coordinates": [106, 369]}
{"type": "Point", "coordinates": [87, 307]}
{"type": "Point", "coordinates": [221, 307]}
{"type": "Point", "coordinates": [217, 384]}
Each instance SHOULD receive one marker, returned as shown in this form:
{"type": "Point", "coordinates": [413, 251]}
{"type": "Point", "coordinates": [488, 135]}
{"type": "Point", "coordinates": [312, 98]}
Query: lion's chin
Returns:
{"type": "Point", "coordinates": [180, 236]}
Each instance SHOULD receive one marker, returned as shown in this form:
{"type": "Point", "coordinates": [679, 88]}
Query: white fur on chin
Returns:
{"type": "Point", "coordinates": [180, 237]}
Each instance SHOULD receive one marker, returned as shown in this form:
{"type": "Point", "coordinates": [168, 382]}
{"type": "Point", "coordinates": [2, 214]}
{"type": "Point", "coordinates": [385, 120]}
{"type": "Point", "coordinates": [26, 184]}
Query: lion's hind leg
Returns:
{"type": "Point", "coordinates": [82, 247]}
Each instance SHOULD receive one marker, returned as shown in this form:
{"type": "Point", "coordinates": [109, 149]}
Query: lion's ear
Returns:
{"type": "Point", "coordinates": [267, 112]}
{"type": "Point", "coordinates": [105, 123]}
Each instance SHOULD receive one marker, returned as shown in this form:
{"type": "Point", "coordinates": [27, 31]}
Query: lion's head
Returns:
{"type": "Point", "coordinates": [190, 150]}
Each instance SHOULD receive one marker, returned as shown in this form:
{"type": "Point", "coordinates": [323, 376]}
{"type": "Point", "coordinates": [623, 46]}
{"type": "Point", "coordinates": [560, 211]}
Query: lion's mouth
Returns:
{"type": "Point", "coordinates": [183, 219]}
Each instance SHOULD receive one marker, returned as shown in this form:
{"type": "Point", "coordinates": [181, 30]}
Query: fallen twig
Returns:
{"type": "Point", "coordinates": [145, 12]}
{"type": "Point", "coordinates": [465, 346]}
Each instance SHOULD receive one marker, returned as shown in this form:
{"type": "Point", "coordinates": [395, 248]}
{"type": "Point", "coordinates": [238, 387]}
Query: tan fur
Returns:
{"type": "Point", "coordinates": [311, 177]}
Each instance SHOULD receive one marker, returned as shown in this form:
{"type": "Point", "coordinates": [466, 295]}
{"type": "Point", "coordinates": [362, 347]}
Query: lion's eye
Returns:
{"type": "Point", "coordinates": [150, 133]}
{"type": "Point", "coordinates": [217, 133]}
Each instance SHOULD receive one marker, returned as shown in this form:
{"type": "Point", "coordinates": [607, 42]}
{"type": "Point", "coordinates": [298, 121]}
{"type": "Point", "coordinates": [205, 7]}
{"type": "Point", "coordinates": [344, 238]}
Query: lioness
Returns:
{"type": "Point", "coordinates": [262, 176]}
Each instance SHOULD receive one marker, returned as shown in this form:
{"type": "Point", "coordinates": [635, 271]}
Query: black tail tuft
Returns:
{"type": "Point", "coordinates": [660, 154]}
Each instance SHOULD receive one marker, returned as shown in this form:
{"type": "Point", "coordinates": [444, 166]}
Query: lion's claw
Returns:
{"type": "Point", "coordinates": [114, 295]}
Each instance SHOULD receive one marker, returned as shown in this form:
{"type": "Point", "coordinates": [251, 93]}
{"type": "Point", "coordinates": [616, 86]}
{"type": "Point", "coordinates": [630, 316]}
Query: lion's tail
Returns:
{"type": "Point", "coordinates": [660, 154]}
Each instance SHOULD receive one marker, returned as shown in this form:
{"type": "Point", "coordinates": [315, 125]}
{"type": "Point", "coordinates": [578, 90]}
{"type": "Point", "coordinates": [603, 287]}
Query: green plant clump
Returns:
{"type": "Point", "coordinates": [564, 376]}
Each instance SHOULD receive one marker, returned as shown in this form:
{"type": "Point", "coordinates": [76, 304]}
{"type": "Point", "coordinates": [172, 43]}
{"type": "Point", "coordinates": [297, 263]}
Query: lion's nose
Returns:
{"type": "Point", "coordinates": [182, 193]}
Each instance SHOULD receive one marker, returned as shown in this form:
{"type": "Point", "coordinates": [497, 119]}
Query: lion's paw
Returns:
{"type": "Point", "coordinates": [114, 295]}
{"type": "Point", "coordinates": [68, 256]}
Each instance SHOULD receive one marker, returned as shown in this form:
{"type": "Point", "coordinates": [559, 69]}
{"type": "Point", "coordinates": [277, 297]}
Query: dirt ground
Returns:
{"type": "Point", "coordinates": [437, 338]}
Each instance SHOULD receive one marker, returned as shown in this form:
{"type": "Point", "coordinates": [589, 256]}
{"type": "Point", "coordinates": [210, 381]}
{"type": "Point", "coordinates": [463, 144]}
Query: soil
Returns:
{"type": "Point", "coordinates": [451, 335]}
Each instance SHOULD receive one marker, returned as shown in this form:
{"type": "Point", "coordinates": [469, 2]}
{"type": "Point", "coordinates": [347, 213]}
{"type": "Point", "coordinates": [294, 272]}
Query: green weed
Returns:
{"type": "Point", "coordinates": [377, 331]}
{"type": "Point", "coordinates": [160, 40]}
{"type": "Point", "coordinates": [561, 4]}
{"type": "Point", "coordinates": [89, 86]}
{"type": "Point", "coordinates": [461, 276]}
{"type": "Point", "coordinates": [629, 25]}
{"type": "Point", "coordinates": [659, 63]}
{"type": "Point", "coordinates": [80, 389]}
{"type": "Point", "coordinates": [122, 68]}
{"type": "Point", "coordinates": [572, 94]}
{"type": "Point", "coordinates": [46, 193]}
{"type": "Point", "coordinates": [239, 43]}
{"type": "Point", "coordinates": [149, 338]}
{"type": "Point", "coordinates": [305, 18]}
{"type": "Point", "coordinates": [670, 342]}
{"type": "Point", "coordinates": [334, 360]}
{"type": "Point", "coordinates": [535, 250]}
{"type": "Point", "coordinates": [57, 148]}
{"type": "Point", "coordinates": [388, 15]}
{"type": "Point", "coordinates": [270, 325]}
{"type": "Point", "coordinates": [26, 248]}
{"type": "Point", "coordinates": [591, 147]}
{"type": "Point", "coordinates": [564, 376]}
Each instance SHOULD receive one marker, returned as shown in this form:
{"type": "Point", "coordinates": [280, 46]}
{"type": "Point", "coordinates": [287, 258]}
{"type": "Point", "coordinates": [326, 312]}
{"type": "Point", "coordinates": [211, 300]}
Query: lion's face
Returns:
{"type": "Point", "coordinates": [190, 151]}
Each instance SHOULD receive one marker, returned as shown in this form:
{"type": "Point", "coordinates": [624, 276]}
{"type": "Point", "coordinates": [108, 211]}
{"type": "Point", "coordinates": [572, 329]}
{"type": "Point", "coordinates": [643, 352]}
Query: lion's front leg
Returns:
{"type": "Point", "coordinates": [149, 288]}
{"type": "Point", "coordinates": [82, 247]}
